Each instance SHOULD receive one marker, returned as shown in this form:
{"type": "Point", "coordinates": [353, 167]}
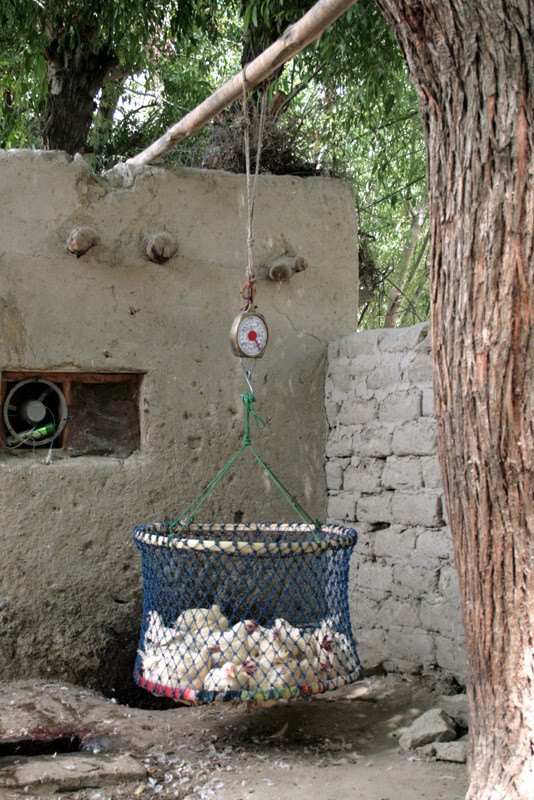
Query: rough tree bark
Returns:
{"type": "Point", "coordinates": [74, 78]}
{"type": "Point", "coordinates": [472, 63]}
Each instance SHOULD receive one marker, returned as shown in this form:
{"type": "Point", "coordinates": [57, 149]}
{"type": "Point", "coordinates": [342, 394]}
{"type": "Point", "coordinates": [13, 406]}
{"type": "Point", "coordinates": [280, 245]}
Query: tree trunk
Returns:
{"type": "Point", "coordinates": [473, 66]}
{"type": "Point", "coordinates": [394, 306]}
{"type": "Point", "coordinates": [74, 78]}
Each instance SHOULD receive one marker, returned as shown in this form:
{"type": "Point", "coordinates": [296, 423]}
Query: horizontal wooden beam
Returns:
{"type": "Point", "coordinates": [294, 39]}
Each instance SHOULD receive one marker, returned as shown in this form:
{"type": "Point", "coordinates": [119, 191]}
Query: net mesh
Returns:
{"type": "Point", "coordinates": [245, 613]}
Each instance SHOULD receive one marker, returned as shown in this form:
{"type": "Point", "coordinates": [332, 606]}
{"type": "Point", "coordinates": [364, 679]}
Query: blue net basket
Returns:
{"type": "Point", "coordinates": [245, 613]}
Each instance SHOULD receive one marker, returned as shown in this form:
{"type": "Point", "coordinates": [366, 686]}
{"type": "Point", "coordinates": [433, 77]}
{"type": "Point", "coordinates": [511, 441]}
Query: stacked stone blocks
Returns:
{"type": "Point", "coordinates": [383, 478]}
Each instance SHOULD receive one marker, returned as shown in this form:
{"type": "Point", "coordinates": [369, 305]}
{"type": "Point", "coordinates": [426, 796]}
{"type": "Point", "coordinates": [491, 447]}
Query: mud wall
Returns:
{"type": "Point", "coordinates": [384, 479]}
{"type": "Point", "coordinates": [70, 587]}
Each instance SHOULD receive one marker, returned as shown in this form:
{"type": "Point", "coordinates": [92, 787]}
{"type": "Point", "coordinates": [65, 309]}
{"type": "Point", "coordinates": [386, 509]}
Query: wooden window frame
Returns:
{"type": "Point", "coordinates": [65, 380]}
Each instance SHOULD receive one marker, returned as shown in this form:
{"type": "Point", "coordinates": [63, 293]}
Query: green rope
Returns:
{"type": "Point", "coordinates": [248, 402]}
{"type": "Point", "coordinates": [177, 525]}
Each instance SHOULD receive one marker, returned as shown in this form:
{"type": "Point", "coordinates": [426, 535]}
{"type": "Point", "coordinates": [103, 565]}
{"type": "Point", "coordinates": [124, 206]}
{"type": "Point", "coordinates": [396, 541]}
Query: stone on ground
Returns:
{"type": "Point", "coordinates": [67, 773]}
{"type": "Point", "coordinates": [432, 726]}
{"type": "Point", "coordinates": [451, 751]}
{"type": "Point", "coordinates": [455, 706]}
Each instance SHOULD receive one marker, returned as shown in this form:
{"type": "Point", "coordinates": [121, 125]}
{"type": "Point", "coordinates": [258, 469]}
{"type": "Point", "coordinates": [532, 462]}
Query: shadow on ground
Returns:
{"type": "Point", "coordinates": [340, 745]}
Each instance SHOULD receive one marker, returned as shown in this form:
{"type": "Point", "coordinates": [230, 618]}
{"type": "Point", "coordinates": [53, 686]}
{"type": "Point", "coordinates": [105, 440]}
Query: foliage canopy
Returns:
{"type": "Point", "coordinates": [106, 79]}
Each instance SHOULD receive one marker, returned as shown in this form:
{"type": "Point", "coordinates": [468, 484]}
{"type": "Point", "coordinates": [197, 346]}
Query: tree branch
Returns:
{"type": "Point", "coordinates": [296, 37]}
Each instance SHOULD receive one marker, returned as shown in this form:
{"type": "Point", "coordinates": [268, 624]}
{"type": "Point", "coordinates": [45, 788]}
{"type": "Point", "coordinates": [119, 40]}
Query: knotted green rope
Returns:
{"type": "Point", "coordinates": [248, 402]}
{"type": "Point", "coordinates": [177, 525]}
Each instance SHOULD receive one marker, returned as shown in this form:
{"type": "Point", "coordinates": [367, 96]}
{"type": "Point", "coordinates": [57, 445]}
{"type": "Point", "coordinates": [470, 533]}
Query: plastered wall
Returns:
{"type": "Point", "coordinates": [70, 585]}
{"type": "Point", "coordinates": [384, 479]}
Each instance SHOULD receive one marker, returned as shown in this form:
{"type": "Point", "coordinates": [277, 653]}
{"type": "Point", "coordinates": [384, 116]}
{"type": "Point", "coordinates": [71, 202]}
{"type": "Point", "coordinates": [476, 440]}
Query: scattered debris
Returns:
{"type": "Point", "coordinates": [211, 753]}
{"type": "Point", "coordinates": [279, 734]}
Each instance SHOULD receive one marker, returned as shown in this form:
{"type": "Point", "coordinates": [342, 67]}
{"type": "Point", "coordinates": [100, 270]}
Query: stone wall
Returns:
{"type": "Point", "coordinates": [383, 478]}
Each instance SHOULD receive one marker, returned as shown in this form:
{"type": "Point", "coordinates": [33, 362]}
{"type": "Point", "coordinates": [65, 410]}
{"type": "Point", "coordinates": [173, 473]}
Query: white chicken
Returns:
{"type": "Point", "coordinates": [310, 671]}
{"type": "Point", "coordinates": [284, 674]}
{"type": "Point", "coordinates": [234, 644]}
{"type": "Point", "coordinates": [157, 633]}
{"type": "Point", "coordinates": [326, 635]}
{"type": "Point", "coordinates": [285, 632]}
{"type": "Point", "coordinates": [268, 647]}
{"type": "Point", "coordinates": [265, 677]}
{"type": "Point", "coordinates": [154, 666]}
{"type": "Point", "coordinates": [337, 657]}
{"type": "Point", "coordinates": [202, 651]}
{"type": "Point", "coordinates": [189, 669]}
{"type": "Point", "coordinates": [301, 643]}
{"type": "Point", "coordinates": [149, 659]}
{"type": "Point", "coordinates": [222, 679]}
{"type": "Point", "coordinates": [259, 681]}
{"type": "Point", "coordinates": [208, 635]}
{"type": "Point", "coordinates": [307, 646]}
{"type": "Point", "coordinates": [183, 651]}
{"type": "Point", "coordinates": [244, 672]}
{"type": "Point", "coordinates": [244, 627]}
{"type": "Point", "coordinates": [195, 619]}
{"type": "Point", "coordinates": [259, 633]}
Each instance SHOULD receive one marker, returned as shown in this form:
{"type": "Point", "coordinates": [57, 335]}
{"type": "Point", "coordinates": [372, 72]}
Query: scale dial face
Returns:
{"type": "Point", "coordinates": [249, 335]}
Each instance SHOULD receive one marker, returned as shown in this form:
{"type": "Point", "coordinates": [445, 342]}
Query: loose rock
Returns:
{"type": "Point", "coordinates": [452, 751]}
{"type": "Point", "coordinates": [432, 726]}
{"type": "Point", "coordinates": [455, 706]}
{"type": "Point", "coordinates": [70, 772]}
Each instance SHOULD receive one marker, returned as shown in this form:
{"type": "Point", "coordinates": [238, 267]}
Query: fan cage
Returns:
{"type": "Point", "coordinates": [269, 599]}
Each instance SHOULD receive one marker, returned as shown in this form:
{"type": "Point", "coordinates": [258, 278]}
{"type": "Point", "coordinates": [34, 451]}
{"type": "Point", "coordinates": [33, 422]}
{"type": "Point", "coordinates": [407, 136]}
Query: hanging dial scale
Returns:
{"type": "Point", "coordinates": [249, 335]}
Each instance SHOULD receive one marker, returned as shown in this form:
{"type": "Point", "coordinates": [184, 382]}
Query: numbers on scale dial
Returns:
{"type": "Point", "coordinates": [249, 335]}
{"type": "Point", "coordinates": [252, 335]}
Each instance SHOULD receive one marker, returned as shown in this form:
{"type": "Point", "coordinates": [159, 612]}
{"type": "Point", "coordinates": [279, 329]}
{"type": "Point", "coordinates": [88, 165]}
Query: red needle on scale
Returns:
{"type": "Point", "coordinates": [253, 337]}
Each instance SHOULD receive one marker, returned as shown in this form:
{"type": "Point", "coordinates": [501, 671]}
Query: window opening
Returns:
{"type": "Point", "coordinates": [73, 413]}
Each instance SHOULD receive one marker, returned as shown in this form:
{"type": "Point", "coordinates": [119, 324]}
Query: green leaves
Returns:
{"type": "Point", "coordinates": [129, 34]}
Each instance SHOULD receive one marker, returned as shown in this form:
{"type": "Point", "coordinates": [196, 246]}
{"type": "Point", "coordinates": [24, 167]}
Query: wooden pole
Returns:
{"type": "Point", "coordinates": [294, 39]}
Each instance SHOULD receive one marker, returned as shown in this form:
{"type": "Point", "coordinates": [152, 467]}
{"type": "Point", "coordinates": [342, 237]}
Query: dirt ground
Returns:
{"type": "Point", "coordinates": [339, 746]}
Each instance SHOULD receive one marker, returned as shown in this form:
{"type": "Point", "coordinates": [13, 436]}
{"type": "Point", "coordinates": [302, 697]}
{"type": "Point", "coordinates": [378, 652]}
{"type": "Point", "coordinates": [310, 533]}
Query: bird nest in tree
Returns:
{"type": "Point", "coordinates": [280, 142]}
{"type": "Point", "coordinates": [245, 613]}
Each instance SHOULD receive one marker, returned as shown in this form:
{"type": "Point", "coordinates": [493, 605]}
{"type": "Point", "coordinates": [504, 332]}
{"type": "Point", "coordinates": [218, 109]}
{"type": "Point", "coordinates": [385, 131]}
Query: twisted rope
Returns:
{"type": "Point", "coordinates": [248, 292]}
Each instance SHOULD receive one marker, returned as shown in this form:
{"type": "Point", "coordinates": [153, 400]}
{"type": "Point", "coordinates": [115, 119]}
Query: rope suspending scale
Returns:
{"type": "Point", "coordinates": [245, 612]}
